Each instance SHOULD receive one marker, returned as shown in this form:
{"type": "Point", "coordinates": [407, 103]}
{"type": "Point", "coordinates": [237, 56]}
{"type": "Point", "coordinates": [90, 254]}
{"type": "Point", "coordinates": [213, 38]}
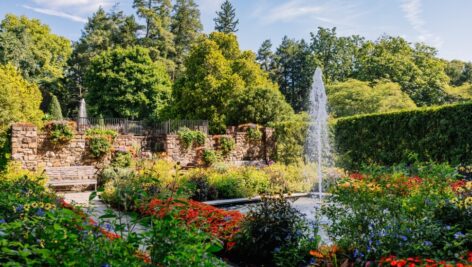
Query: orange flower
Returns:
{"type": "Point", "coordinates": [316, 254]}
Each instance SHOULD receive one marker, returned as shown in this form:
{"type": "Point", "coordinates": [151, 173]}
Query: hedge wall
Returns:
{"type": "Point", "coordinates": [441, 134]}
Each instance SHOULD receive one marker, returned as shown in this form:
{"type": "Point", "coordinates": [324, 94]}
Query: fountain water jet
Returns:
{"type": "Point", "coordinates": [317, 147]}
{"type": "Point", "coordinates": [82, 120]}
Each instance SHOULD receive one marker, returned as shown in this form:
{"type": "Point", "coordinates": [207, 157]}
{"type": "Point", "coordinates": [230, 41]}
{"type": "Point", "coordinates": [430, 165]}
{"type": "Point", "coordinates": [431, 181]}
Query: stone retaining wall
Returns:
{"type": "Point", "coordinates": [32, 148]}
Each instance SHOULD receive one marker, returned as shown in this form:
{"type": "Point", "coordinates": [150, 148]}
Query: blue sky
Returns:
{"type": "Point", "coordinates": [440, 23]}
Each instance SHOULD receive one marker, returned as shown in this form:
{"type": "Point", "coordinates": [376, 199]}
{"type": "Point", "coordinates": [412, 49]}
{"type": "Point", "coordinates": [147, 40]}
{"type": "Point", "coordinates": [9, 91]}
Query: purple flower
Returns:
{"type": "Point", "coordinates": [458, 235]}
{"type": "Point", "coordinates": [108, 227]}
{"type": "Point", "coordinates": [312, 261]}
{"type": "Point", "coordinates": [427, 243]}
{"type": "Point", "coordinates": [404, 238]}
{"type": "Point", "coordinates": [19, 208]}
{"type": "Point", "coordinates": [105, 265]}
{"type": "Point", "coordinates": [2, 221]}
{"type": "Point", "coordinates": [40, 212]}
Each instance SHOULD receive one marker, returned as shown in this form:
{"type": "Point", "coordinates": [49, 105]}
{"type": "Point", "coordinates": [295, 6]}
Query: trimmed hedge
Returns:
{"type": "Point", "coordinates": [440, 134]}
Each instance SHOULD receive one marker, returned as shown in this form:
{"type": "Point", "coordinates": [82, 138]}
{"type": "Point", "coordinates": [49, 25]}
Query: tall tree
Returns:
{"type": "Point", "coordinates": [157, 14]}
{"type": "Point", "coordinates": [102, 31]}
{"type": "Point", "coordinates": [54, 109]}
{"type": "Point", "coordinates": [186, 27]}
{"type": "Point", "coordinates": [265, 56]}
{"type": "Point", "coordinates": [294, 68]}
{"type": "Point", "coordinates": [126, 83]}
{"type": "Point", "coordinates": [219, 82]}
{"type": "Point", "coordinates": [336, 54]}
{"type": "Point", "coordinates": [226, 18]}
{"type": "Point", "coordinates": [38, 54]}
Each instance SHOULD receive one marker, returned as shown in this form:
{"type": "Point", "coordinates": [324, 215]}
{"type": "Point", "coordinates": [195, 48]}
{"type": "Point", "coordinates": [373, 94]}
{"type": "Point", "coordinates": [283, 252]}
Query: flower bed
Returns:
{"type": "Point", "coordinates": [219, 223]}
{"type": "Point", "coordinates": [403, 218]}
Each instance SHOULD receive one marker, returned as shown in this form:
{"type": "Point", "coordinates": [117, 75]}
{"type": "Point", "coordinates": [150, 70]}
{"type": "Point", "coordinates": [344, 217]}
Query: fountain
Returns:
{"type": "Point", "coordinates": [82, 120]}
{"type": "Point", "coordinates": [317, 147]}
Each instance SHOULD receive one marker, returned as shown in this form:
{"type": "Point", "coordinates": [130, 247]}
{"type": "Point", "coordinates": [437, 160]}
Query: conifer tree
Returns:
{"type": "Point", "coordinates": [186, 27]}
{"type": "Point", "coordinates": [226, 18]}
{"type": "Point", "coordinates": [54, 109]}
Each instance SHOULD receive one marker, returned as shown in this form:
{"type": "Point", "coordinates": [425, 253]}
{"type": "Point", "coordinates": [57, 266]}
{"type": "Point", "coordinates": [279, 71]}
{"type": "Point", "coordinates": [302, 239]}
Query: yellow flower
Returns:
{"type": "Point", "coordinates": [47, 206]}
{"type": "Point", "coordinates": [41, 204]}
{"type": "Point", "coordinates": [468, 202]}
{"type": "Point", "coordinates": [34, 205]}
{"type": "Point", "coordinates": [41, 243]}
{"type": "Point", "coordinates": [468, 185]}
{"type": "Point", "coordinates": [26, 207]}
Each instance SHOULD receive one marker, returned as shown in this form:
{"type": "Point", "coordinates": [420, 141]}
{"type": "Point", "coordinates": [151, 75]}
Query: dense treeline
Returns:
{"type": "Point", "coordinates": [163, 66]}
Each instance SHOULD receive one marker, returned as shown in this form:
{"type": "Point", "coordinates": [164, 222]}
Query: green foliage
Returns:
{"type": "Point", "coordinates": [190, 137]}
{"type": "Point", "coordinates": [226, 18]}
{"type": "Point", "coordinates": [19, 99]}
{"type": "Point", "coordinates": [183, 245]}
{"type": "Point", "coordinates": [293, 66]}
{"type": "Point", "coordinates": [226, 145]}
{"type": "Point", "coordinates": [462, 92]}
{"type": "Point", "coordinates": [103, 31]}
{"type": "Point", "coordinates": [30, 46]}
{"type": "Point", "coordinates": [217, 74]}
{"type": "Point", "coordinates": [459, 72]}
{"type": "Point", "coordinates": [210, 157]}
{"type": "Point", "coordinates": [37, 231]}
{"type": "Point", "coordinates": [122, 159]}
{"type": "Point", "coordinates": [356, 97]}
{"type": "Point", "coordinates": [186, 27]}
{"type": "Point", "coordinates": [290, 138]}
{"type": "Point", "coordinates": [5, 149]}
{"type": "Point", "coordinates": [254, 134]}
{"type": "Point", "coordinates": [126, 83]}
{"type": "Point", "coordinates": [438, 134]}
{"type": "Point", "coordinates": [275, 233]}
{"type": "Point", "coordinates": [100, 141]}
{"type": "Point", "coordinates": [54, 109]}
{"type": "Point", "coordinates": [59, 133]}
{"type": "Point", "coordinates": [402, 214]}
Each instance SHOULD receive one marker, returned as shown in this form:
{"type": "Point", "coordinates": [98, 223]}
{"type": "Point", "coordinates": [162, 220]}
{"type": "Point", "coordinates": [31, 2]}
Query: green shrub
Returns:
{"type": "Point", "coordinates": [100, 141]}
{"type": "Point", "coordinates": [59, 133]}
{"type": "Point", "coordinates": [121, 159]}
{"type": "Point", "coordinates": [227, 145]}
{"type": "Point", "coordinates": [440, 134]}
{"type": "Point", "coordinates": [210, 157]}
{"type": "Point", "coordinates": [189, 137]}
{"type": "Point", "coordinates": [290, 138]}
{"type": "Point", "coordinates": [200, 186]}
{"type": "Point", "coordinates": [254, 134]}
{"type": "Point", "coordinates": [54, 109]}
{"type": "Point", "coordinates": [275, 233]}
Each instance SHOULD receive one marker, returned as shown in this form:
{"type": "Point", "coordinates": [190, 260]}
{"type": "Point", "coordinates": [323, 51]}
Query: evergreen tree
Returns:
{"type": "Point", "coordinates": [157, 14]}
{"type": "Point", "coordinates": [226, 18]}
{"type": "Point", "coordinates": [102, 31]}
{"type": "Point", "coordinates": [54, 109]}
{"type": "Point", "coordinates": [186, 27]}
{"type": "Point", "coordinates": [294, 68]}
{"type": "Point", "coordinates": [265, 56]}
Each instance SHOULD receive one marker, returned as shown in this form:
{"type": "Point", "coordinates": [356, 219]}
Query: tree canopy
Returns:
{"type": "Point", "coordinates": [357, 97]}
{"type": "Point", "coordinates": [19, 99]}
{"type": "Point", "coordinates": [217, 73]}
{"type": "Point", "coordinates": [225, 20]}
{"type": "Point", "coordinates": [126, 83]}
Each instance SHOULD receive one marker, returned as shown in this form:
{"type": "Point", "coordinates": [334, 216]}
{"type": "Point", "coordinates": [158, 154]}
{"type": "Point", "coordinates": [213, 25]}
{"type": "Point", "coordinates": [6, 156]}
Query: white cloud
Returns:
{"type": "Point", "coordinates": [80, 6]}
{"type": "Point", "coordinates": [413, 12]}
{"type": "Point", "coordinates": [56, 13]}
{"type": "Point", "coordinates": [290, 11]}
{"type": "Point", "coordinates": [209, 6]}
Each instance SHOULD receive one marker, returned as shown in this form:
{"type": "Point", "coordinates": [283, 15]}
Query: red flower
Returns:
{"type": "Point", "coordinates": [401, 263]}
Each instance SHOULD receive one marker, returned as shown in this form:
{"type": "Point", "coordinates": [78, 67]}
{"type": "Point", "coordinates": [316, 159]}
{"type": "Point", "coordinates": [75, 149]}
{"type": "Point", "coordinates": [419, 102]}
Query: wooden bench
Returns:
{"type": "Point", "coordinates": [74, 175]}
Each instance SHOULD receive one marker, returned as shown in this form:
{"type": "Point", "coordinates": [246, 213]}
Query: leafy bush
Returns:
{"type": "Point", "coordinates": [200, 186]}
{"type": "Point", "coordinates": [381, 213]}
{"type": "Point", "coordinates": [438, 134]}
{"type": "Point", "coordinates": [210, 157]}
{"type": "Point", "coordinates": [100, 141]}
{"type": "Point", "coordinates": [254, 134]}
{"type": "Point", "coordinates": [189, 137]}
{"type": "Point", "coordinates": [54, 109]}
{"type": "Point", "coordinates": [290, 138]}
{"type": "Point", "coordinates": [59, 133]}
{"type": "Point", "coordinates": [122, 159]}
{"type": "Point", "coordinates": [227, 145]}
{"type": "Point", "coordinates": [275, 233]}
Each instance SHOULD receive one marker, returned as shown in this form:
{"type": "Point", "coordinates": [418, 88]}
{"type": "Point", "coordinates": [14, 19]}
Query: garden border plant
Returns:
{"type": "Point", "coordinates": [100, 141]}
{"type": "Point", "coordinates": [59, 132]}
{"type": "Point", "coordinates": [189, 137]}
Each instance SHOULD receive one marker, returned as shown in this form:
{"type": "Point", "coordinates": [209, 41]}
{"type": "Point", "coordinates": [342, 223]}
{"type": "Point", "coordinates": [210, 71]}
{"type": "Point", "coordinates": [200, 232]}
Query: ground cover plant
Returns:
{"type": "Point", "coordinates": [417, 214]}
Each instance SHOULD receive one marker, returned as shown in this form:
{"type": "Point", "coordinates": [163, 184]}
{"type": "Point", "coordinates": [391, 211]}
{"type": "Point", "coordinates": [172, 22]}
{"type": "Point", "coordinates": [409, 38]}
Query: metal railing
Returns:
{"type": "Point", "coordinates": [125, 126]}
{"type": "Point", "coordinates": [173, 126]}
